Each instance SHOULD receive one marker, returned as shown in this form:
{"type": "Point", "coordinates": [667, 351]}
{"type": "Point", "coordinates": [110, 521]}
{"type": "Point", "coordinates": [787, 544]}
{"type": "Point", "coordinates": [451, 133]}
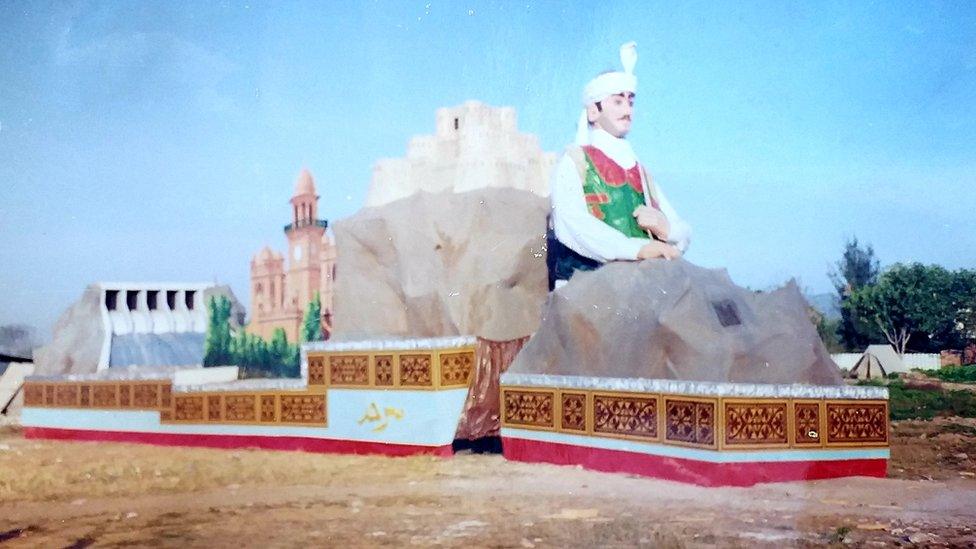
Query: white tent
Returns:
{"type": "Point", "coordinates": [877, 362]}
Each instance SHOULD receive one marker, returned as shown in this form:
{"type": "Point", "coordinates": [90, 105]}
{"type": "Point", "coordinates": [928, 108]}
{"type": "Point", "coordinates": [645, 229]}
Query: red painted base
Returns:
{"type": "Point", "coordinates": [303, 444]}
{"type": "Point", "coordinates": [688, 470]}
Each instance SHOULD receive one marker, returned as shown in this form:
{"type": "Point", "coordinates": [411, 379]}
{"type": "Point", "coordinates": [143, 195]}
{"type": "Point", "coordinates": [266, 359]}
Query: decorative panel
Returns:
{"type": "Point", "coordinates": [268, 408]}
{"type": "Point", "coordinates": [857, 422]}
{"type": "Point", "coordinates": [33, 394]}
{"type": "Point", "coordinates": [49, 395]}
{"type": "Point", "coordinates": [456, 368]}
{"type": "Point", "coordinates": [165, 395]}
{"type": "Point", "coordinates": [66, 395]}
{"type": "Point", "coordinates": [145, 395]}
{"type": "Point", "coordinates": [349, 370]}
{"type": "Point", "coordinates": [125, 395]}
{"type": "Point", "coordinates": [105, 395]}
{"type": "Point", "coordinates": [384, 370]}
{"type": "Point", "coordinates": [415, 370]}
{"type": "Point", "coordinates": [303, 409]}
{"type": "Point", "coordinates": [214, 408]}
{"type": "Point", "coordinates": [690, 421]}
{"type": "Point", "coordinates": [239, 407]}
{"type": "Point", "coordinates": [625, 415]}
{"type": "Point", "coordinates": [188, 408]}
{"type": "Point", "coordinates": [755, 423]}
{"type": "Point", "coordinates": [573, 412]}
{"type": "Point", "coordinates": [85, 396]}
{"type": "Point", "coordinates": [528, 408]}
{"type": "Point", "coordinates": [806, 423]}
{"type": "Point", "coordinates": [316, 370]}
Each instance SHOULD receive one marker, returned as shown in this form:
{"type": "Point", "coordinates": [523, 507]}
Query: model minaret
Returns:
{"type": "Point", "coordinates": [304, 240]}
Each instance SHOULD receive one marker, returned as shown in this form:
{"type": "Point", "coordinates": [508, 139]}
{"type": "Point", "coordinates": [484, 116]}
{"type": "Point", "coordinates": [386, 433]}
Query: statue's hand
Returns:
{"type": "Point", "coordinates": [653, 221]}
{"type": "Point", "coordinates": [657, 249]}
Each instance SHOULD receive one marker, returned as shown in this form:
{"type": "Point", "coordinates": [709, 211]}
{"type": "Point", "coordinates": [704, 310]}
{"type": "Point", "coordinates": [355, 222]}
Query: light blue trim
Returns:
{"type": "Point", "coordinates": [430, 418]}
{"type": "Point", "coordinates": [727, 456]}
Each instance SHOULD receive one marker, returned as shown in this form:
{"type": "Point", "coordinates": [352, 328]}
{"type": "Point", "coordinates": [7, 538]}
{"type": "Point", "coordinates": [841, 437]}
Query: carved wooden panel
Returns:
{"type": "Point", "coordinates": [215, 408]}
{"type": "Point", "coordinates": [125, 395]}
{"type": "Point", "coordinates": [625, 415]}
{"type": "Point", "coordinates": [239, 407]}
{"type": "Point", "coordinates": [145, 395]}
{"type": "Point", "coordinates": [573, 417]}
{"type": "Point", "coordinates": [384, 370]}
{"type": "Point", "coordinates": [33, 394]}
{"type": "Point", "coordinates": [806, 423]}
{"type": "Point", "coordinates": [316, 370]}
{"type": "Point", "coordinates": [415, 370]}
{"type": "Point", "coordinates": [531, 408]}
{"type": "Point", "coordinates": [188, 408]}
{"type": "Point", "coordinates": [456, 368]}
{"type": "Point", "coordinates": [349, 369]}
{"type": "Point", "coordinates": [66, 395]}
{"type": "Point", "coordinates": [857, 422]}
{"type": "Point", "coordinates": [748, 423]}
{"type": "Point", "coordinates": [105, 395]}
{"type": "Point", "coordinates": [165, 395]}
{"type": "Point", "coordinates": [85, 396]}
{"type": "Point", "coordinates": [303, 409]}
{"type": "Point", "coordinates": [49, 395]}
{"type": "Point", "coordinates": [690, 421]}
{"type": "Point", "coordinates": [268, 413]}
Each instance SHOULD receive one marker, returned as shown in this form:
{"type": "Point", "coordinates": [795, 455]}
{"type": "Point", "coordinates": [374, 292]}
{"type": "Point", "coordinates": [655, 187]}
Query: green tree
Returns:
{"type": "Point", "coordinates": [912, 306]}
{"type": "Point", "coordinates": [312, 323]}
{"type": "Point", "coordinates": [964, 290]}
{"type": "Point", "coordinates": [856, 269]}
{"type": "Point", "coordinates": [217, 345]}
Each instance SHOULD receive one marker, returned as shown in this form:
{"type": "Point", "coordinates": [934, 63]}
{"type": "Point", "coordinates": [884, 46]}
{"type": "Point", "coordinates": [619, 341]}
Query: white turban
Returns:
{"type": "Point", "coordinates": [607, 84]}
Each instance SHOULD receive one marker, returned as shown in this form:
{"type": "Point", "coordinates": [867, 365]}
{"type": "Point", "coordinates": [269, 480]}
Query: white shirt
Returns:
{"type": "Point", "coordinates": [577, 228]}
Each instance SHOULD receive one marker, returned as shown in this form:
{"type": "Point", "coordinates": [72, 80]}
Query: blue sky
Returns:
{"type": "Point", "coordinates": [160, 140]}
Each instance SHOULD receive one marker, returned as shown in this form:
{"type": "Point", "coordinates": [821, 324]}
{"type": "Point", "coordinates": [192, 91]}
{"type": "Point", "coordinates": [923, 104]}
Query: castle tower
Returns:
{"type": "Point", "coordinates": [267, 290]}
{"type": "Point", "coordinates": [327, 290]}
{"type": "Point", "coordinates": [304, 240]}
{"type": "Point", "coordinates": [279, 296]}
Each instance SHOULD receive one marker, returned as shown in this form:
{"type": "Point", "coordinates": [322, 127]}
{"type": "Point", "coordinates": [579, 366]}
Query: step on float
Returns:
{"type": "Point", "coordinates": [392, 397]}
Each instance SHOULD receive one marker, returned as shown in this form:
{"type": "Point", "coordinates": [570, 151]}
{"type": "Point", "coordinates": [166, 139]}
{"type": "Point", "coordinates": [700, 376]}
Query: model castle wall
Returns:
{"type": "Point", "coordinates": [475, 146]}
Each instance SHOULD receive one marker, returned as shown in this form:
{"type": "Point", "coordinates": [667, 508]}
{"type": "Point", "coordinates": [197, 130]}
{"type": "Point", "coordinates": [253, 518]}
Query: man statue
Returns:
{"type": "Point", "coordinates": [605, 207]}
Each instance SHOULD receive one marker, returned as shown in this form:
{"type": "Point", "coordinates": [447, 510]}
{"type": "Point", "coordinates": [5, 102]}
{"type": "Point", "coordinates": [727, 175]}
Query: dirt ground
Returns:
{"type": "Point", "coordinates": [59, 494]}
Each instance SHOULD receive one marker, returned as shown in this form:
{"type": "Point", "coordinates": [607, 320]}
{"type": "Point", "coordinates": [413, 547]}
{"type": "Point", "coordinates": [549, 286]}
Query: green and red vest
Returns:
{"type": "Point", "coordinates": [612, 194]}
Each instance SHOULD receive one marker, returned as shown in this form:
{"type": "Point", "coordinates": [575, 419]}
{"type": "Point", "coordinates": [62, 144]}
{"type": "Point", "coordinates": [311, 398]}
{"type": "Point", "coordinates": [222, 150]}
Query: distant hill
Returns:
{"type": "Point", "coordinates": [827, 304]}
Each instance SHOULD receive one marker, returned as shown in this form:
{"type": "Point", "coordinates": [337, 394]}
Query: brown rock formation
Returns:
{"type": "Point", "coordinates": [442, 264]}
{"type": "Point", "coordinates": [674, 320]}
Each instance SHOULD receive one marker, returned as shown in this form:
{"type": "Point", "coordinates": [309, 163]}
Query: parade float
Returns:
{"type": "Point", "coordinates": [444, 330]}
{"type": "Point", "coordinates": [669, 370]}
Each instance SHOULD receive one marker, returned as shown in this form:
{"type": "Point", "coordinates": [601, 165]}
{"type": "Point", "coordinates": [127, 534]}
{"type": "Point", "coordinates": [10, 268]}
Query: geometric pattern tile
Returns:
{"type": "Point", "coordinates": [573, 412]}
{"type": "Point", "coordinates": [532, 408]}
{"type": "Point", "coordinates": [806, 423]}
{"type": "Point", "coordinates": [214, 408]}
{"type": "Point", "coordinates": [239, 408]}
{"type": "Point", "coordinates": [625, 415]}
{"type": "Point", "coordinates": [349, 370]}
{"type": "Point", "coordinates": [316, 370]}
{"type": "Point", "coordinates": [145, 395]}
{"type": "Point", "coordinates": [384, 370]}
{"type": "Point", "coordinates": [268, 408]}
{"type": "Point", "coordinates": [33, 394]}
{"type": "Point", "coordinates": [690, 421]}
{"type": "Point", "coordinates": [66, 395]}
{"type": "Point", "coordinates": [456, 368]}
{"type": "Point", "coordinates": [188, 408]}
{"type": "Point", "coordinates": [415, 370]}
{"type": "Point", "coordinates": [105, 395]}
{"type": "Point", "coordinates": [85, 396]}
{"type": "Point", "coordinates": [856, 422]}
{"type": "Point", "coordinates": [303, 409]}
{"type": "Point", "coordinates": [755, 423]}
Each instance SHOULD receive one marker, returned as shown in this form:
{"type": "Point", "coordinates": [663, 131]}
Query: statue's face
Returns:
{"type": "Point", "coordinates": [615, 114]}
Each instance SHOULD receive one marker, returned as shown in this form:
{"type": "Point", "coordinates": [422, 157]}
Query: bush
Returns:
{"type": "Point", "coordinates": [926, 403]}
{"type": "Point", "coordinates": [955, 374]}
